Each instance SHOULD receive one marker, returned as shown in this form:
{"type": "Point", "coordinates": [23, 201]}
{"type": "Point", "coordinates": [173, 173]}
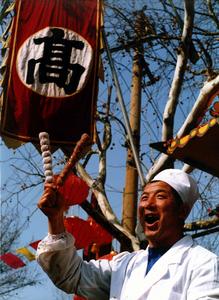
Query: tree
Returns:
{"type": "Point", "coordinates": [181, 53]}
{"type": "Point", "coordinates": [12, 280]}
{"type": "Point", "coordinates": [177, 47]}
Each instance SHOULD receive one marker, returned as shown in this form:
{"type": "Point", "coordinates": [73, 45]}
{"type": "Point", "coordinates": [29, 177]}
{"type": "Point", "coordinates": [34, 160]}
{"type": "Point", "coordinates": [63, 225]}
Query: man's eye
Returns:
{"type": "Point", "coordinates": [144, 198]}
{"type": "Point", "coordinates": [161, 196]}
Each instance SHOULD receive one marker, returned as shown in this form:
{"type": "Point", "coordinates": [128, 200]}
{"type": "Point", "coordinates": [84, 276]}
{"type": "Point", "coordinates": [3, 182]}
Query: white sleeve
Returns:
{"type": "Point", "coordinates": [205, 280]}
{"type": "Point", "coordinates": [55, 242]}
{"type": "Point", "coordinates": [58, 257]}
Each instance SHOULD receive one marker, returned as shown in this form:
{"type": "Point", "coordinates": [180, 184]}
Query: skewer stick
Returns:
{"type": "Point", "coordinates": [47, 156]}
{"type": "Point", "coordinates": [82, 146]}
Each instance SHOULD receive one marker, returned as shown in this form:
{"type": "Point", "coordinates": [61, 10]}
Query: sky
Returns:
{"type": "Point", "coordinates": [38, 225]}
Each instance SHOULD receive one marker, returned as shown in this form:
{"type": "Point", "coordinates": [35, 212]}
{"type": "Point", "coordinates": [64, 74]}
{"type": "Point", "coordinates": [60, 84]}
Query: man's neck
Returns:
{"type": "Point", "coordinates": [164, 244]}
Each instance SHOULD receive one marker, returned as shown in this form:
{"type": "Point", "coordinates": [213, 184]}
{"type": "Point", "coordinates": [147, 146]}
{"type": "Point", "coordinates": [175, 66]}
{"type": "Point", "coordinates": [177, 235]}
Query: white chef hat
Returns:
{"type": "Point", "coordinates": [181, 182]}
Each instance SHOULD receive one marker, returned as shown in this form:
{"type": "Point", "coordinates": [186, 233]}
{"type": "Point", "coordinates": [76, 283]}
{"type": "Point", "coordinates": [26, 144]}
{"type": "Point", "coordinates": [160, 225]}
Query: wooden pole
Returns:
{"type": "Point", "coordinates": [130, 195]}
{"type": "Point", "coordinates": [123, 109]}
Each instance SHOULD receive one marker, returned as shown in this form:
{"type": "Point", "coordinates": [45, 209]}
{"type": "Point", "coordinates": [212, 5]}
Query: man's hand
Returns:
{"type": "Point", "coordinates": [53, 205]}
{"type": "Point", "coordinates": [51, 202]}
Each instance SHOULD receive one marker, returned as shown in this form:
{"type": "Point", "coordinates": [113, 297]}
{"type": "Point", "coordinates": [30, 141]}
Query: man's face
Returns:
{"type": "Point", "coordinates": [160, 215]}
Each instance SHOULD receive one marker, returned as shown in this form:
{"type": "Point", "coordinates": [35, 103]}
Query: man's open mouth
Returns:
{"type": "Point", "coordinates": [151, 218]}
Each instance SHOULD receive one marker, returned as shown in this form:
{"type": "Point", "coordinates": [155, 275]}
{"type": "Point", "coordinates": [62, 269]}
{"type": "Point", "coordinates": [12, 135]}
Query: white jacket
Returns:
{"type": "Point", "coordinates": [185, 272]}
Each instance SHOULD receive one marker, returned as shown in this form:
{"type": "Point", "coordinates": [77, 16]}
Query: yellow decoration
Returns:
{"type": "Point", "coordinates": [193, 132]}
{"type": "Point", "coordinates": [203, 129]}
{"type": "Point", "coordinates": [27, 253]}
{"type": "Point", "coordinates": [172, 146]}
{"type": "Point", "coordinates": [212, 122]}
{"type": "Point", "coordinates": [183, 141]}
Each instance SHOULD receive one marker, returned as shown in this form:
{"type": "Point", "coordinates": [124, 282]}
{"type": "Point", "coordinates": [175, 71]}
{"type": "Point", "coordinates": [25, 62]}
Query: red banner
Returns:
{"type": "Point", "coordinates": [12, 260]}
{"type": "Point", "coordinates": [52, 70]}
{"type": "Point", "coordinates": [86, 232]}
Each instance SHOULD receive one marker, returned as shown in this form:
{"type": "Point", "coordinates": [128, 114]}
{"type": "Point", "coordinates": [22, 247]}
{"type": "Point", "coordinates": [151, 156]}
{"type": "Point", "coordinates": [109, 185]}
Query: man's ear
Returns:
{"type": "Point", "coordinates": [184, 211]}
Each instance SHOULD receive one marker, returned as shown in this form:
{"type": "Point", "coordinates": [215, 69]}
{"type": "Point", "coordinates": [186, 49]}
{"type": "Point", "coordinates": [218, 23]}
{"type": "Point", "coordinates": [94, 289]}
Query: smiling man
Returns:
{"type": "Point", "coordinates": [172, 267]}
{"type": "Point", "coordinates": [161, 215]}
{"type": "Point", "coordinates": [164, 205]}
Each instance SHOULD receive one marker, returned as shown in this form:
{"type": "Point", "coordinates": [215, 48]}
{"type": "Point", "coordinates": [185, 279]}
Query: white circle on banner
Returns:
{"type": "Point", "coordinates": [55, 62]}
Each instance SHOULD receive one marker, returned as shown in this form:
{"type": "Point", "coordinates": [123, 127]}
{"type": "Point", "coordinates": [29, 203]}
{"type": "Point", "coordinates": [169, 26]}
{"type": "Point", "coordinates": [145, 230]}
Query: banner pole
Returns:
{"type": "Point", "coordinates": [124, 112]}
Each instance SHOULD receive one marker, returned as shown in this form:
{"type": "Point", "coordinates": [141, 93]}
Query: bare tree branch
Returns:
{"type": "Point", "coordinates": [104, 205]}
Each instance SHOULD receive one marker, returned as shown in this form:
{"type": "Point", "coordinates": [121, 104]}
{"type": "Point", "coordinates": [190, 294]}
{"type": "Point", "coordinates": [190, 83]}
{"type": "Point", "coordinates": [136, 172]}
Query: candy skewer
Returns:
{"type": "Point", "coordinates": [47, 156]}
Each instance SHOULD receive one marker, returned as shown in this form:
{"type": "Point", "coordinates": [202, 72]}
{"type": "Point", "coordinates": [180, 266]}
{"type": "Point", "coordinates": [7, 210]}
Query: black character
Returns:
{"type": "Point", "coordinates": [54, 65]}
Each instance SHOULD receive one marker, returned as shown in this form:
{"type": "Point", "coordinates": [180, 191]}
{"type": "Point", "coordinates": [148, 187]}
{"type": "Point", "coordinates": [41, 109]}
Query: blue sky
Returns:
{"type": "Point", "coordinates": [38, 224]}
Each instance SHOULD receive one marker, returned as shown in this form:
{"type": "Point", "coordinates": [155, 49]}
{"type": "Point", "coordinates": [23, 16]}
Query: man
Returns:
{"type": "Point", "coordinates": [171, 268]}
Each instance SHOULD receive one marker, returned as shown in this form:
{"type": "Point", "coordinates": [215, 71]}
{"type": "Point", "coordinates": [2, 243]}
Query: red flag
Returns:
{"type": "Point", "coordinates": [86, 232]}
{"type": "Point", "coordinates": [76, 297]}
{"type": "Point", "coordinates": [109, 256]}
{"type": "Point", "coordinates": [81, 231]}
{"type": "Point", "coordinates": [12, 260]}
{"type": "Point", "coordinates": [74, 190]}
{"type": "Point", "coordinates": [34, 244]}
{"type": "Point", "coordinates": [52, 70]}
